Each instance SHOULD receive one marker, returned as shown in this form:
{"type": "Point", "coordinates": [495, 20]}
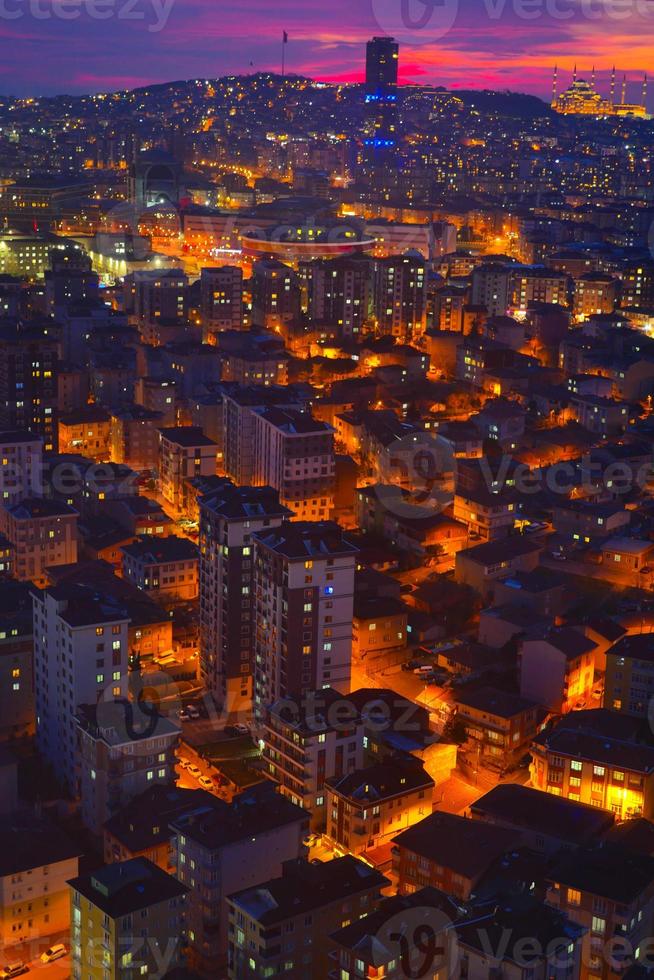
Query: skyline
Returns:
{"type": "Point", "coordinates": [85, 46]}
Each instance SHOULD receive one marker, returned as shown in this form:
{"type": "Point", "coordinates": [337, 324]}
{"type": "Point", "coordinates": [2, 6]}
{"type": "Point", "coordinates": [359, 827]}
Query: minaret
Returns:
{"type": "Point", "coordinates": [624, 89]}
{"type": "Point", "coordinates": [592, 78]}
{"type": "Point", "coordinates": [645, 92]}
{"type": "Point", "coordinates": [613, 86]}
{"type": "Point", "coordinates": [574, 75]}
{"type": "Point", "coordinates": [555, 84]}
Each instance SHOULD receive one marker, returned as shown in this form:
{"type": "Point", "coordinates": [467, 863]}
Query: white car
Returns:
{"type": "Point", "coordinates": [194, 771]}
{"type": "Point", "coordinates": [13, 970]}
{"type": "Point", "coordinates": [54, 953]}
{"type": "Point", "coordinates": [206, 782]}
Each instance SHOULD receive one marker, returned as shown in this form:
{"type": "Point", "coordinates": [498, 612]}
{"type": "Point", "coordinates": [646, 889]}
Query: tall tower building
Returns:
{"type": "Point", "coordinates": [339, 293]}
{"type": "Point", "coordinates": [221, 300]}
{"type": "Point", "coordinates": [275, 295]}
{"type": "Point", "coordinates": [380, 142]}
{"type": "Point", "coordinates": [400, 298]}
{"type": "Point", "coordinates": [28, 381]}
{"type": "Point", "coordinates": [304, 598]}
{"type": "Point", "coordinates": [382, 59]}
{"type": "Point", "coordinates": [80, 654]}
{"type": "Point", "coordinates": [228, 519]}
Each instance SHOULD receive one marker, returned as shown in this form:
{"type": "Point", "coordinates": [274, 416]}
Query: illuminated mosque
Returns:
{"type": "Point", "coordinates": [583, 99]}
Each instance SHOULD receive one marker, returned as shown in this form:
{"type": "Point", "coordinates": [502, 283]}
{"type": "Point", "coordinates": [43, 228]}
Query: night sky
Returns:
{"type": "Point", "coordinates": [53, 46]}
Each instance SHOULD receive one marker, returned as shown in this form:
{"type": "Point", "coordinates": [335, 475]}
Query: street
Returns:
{"type": "Point", "coordinates": [30, 952]}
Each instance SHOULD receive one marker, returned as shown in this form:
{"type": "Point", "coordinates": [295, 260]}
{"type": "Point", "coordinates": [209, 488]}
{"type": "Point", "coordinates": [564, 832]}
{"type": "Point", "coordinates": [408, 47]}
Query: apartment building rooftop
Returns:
{"type": "Point", "coordinates": [127, 887]}
{"type": "Point", "coordinates": [307, 540]}
{"type": "Point", "coordinates": [304, 887]}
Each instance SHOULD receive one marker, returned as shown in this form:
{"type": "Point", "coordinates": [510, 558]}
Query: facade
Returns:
{"type": "Point", "coordinates": [185, 453]}
{"type": "Point", "coordinates": [294, 453]}
{"type": "Point", "coordinates": [35, 864]}
{"type": "Point", "coordinates": [481, 566]}
{"type": "Point", "coordinates": [126, 918]}
{"type": "Point", "coordinates": [339, 294]}
{"type": "Point", "coordinates": [153, 294]}
{"type": "Point", "coordinates": [224, 848]}
{"type": "Point", "coordinates": [229, 518]}
{"type": "Point", "coordinates": [29, 358]}
{"type": "Point", "coordinates": [609, 893]}
{"type": "Point", "coordinates": [221, 300]}
{"type": "Point", "coordinates": [121, 755]}
{"type": "Point", "coordinates": [368, 807]}
{"type": "Point", "coordinates": [629, 679]}
{"type": "Point", "coordinates": [275, 295]}
{"type": "Point", "coordinates": [87, 432]}
{"type": "Point", "coordinates": [304, 587]}
{"type": "Point", "coordinates": [43, 533]}
{"type": "Point", "coordinates": [80, 654]}
{"type": "Point", "coordinates": [501, 724]}
{"type": "Point", "coordinates": [308, 741]}
{"type": "Point", "coordinates": [16, 661]}
{"type": "Point", "coordinates": [135, 437]}
{"type": "Point", "coordinates": [447, 852]}
{"type": "Point", "coordinates": [557, 669]}
{"type": "Point", "coordinates": [21, 454]}
{"type": "Point", "coordinates": [379, 626]}
{"type": "Point", "coordinates": [488, 516]}
{"type": "Point", "coordinates": [165, 568]}
{"type": "Point", "coordinates": [400, 296]}
{"type": "Point", "coordinates": [585, 762]}
{"type": "Point", "coordinates": [301, 909]}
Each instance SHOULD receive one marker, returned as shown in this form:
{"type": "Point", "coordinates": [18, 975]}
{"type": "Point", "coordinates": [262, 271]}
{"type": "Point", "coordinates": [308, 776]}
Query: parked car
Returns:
{"type": "Point", "coordinates": [558, 556]}
{"type": "Point", "coordinates": [183, 763]}
{"type": "Point", "coordinates": [236, 731]}
{"type": "Point", "coordinates": [13, 970]}
{"type": "Point", "coordinates": [53, 953]}
{"type": "Point", "coordinates": [205, 782]}
{"type": "Point", "coordinates": [194, 771]}
{"type": "Point", "coordinates": [310, 840]}
{"type": "Point", "coordinates": [192, 712]}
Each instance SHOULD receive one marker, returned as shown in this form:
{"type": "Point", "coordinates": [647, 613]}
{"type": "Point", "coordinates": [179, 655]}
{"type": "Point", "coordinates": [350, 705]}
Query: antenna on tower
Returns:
{"type": "Point", "coordinates": [624, 89]}
{"type": "Point", "coordinates": [555, 83]}
{"type": "Point", "coordinates": [613, 86]}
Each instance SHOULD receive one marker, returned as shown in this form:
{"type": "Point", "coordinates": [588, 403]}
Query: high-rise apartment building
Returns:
{"type": "Point", "coordinates": [221, 300]}
{"type": "Point", "coordinates": [127, 920]}
{"type": "Point", "coordinates": [294, 453]}
{"type": "Point", "coordinates": [338, 294]}
{"type": "Point", "coordinates": [80, 655]}
{"type": "Point", "coordinates": [275, 295]}
{"type": "Point", "coordinates": [28, 380]}
{"type": "Point", "coordinates": [400, 297]}
{"type": "Point", "coordinates": [229, 517]}
{"type": "Point", "coordinates": [304, 598]}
